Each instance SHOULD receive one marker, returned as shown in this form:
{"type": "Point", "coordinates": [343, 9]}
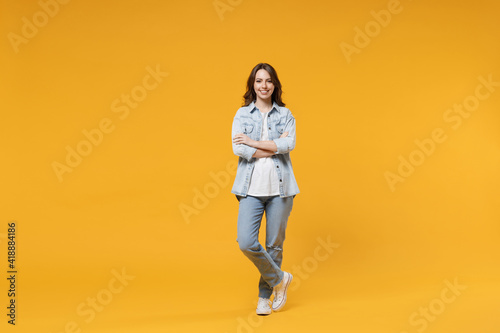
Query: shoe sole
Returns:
{"type": "Point", "coordinates": [284, 298]}
{"type": "Point", "coordinates": [264, 314]}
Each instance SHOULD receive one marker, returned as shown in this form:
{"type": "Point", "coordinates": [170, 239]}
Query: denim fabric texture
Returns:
{"type": "Point", "coordinates": [268, 260]}
{"type": "Point", "coordinates": [248, 120]}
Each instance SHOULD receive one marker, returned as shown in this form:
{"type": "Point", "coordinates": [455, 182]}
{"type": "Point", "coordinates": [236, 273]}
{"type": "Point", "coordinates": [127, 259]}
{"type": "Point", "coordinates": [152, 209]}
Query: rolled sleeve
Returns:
{"type": "Point", "coordinates": [287, 144]}
{"type": "Point", "coordinates": [241, 150]}
{"type": "Point", "coordinates": [244, 151]}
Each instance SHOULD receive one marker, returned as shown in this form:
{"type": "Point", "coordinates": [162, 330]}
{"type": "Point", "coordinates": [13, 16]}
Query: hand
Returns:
{"type": "Point", "coordinates": [243, 139]}
{"type": "Point", "coordinates": [284, 135]}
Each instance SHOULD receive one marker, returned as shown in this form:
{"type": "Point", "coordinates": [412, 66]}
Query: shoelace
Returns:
{"type": "Point", "coordinates": [264, 302]}
{"type": "Point", "coordinates": [277, 297]}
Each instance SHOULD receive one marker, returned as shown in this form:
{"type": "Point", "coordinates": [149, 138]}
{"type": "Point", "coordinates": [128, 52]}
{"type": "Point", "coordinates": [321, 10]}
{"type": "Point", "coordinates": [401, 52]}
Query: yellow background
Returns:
{"type": "Point", "coordinates": [121, 207]}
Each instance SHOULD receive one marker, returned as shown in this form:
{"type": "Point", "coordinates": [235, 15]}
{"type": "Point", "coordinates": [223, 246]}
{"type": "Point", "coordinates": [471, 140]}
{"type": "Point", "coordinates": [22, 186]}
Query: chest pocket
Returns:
{"type": "Point", "coordinates": [247, 128]}
{"type": "Point", "coordinates": [280, 128]}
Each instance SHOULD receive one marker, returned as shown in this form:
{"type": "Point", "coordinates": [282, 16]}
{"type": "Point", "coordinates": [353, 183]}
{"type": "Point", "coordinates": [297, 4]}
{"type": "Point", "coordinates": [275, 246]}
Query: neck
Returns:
{"type": "Point", "coordinates": [263, 104]}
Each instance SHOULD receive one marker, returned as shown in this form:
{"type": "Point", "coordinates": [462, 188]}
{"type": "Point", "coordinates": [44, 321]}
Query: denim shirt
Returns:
{"type": "Point", "coordinates": [248, 120]}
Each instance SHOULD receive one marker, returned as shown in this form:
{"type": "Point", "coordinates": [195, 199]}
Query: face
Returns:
{"type": "Point", "coordinates": [263, 86]}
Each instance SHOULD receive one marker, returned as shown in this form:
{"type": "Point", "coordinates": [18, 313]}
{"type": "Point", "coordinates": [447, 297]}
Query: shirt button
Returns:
{"type": "Point", "coordinates": [277, 166]}
{"type": "Point", "coordinates": [280, 180]}
{"type": "Point", "coordinates": [269, 127]}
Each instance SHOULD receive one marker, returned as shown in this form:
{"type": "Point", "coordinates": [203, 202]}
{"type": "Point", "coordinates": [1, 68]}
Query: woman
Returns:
{"type": "Point", "coordinates": [263, 135]}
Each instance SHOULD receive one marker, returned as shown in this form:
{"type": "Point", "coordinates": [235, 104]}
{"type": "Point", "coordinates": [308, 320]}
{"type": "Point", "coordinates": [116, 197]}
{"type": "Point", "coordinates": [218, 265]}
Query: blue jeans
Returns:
{"type": "Point", "coordinates": [268, 261]}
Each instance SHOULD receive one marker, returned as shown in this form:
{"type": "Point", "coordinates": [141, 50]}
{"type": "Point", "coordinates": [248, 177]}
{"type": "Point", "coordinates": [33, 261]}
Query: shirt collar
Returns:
{"type": "Point", "coordinates": [253, 107]}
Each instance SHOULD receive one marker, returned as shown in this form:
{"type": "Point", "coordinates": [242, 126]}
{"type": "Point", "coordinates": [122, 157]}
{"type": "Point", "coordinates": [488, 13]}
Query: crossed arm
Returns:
{"type": "Point", "coordinates": [264, 148]}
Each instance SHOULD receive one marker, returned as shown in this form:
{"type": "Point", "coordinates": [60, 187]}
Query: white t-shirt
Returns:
{"type": "Point", "coordinates": [264, 181]}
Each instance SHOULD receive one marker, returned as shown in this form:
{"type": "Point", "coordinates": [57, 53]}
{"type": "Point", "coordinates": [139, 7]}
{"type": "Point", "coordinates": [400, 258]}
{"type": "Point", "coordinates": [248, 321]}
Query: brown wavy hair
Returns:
{"type": "Point", "coordinates": [250, 95]}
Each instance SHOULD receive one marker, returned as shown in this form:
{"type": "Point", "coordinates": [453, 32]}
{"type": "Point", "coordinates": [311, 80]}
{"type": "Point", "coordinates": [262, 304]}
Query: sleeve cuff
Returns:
{"type": "Point", "coordinates": [281, 145]}
{"type": "Point", "coordinates": [248, 152]}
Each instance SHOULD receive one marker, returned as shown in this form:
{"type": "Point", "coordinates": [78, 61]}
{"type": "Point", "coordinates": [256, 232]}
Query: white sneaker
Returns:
{"type": "Point", "coordinates": [263, 306]}
{"type": "Point", "coordinates": [279, 292]}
